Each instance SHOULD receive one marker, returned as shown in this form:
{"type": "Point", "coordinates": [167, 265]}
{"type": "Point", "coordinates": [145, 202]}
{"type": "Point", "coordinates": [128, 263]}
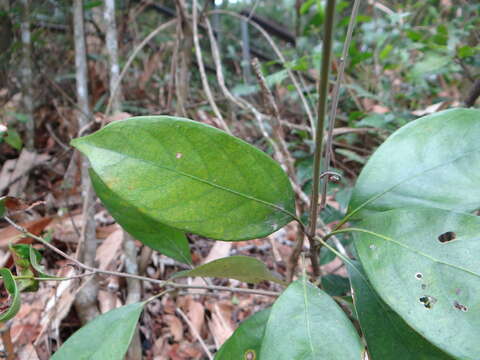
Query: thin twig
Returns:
{"type": "Point", "coordinates": [94, 271]}
{"type": "Point", "coordinates": [194, 331]}
{"type": "Point", "coordinates": [280, 56]}
{"type": "Point", "coordinates": [201, 68]}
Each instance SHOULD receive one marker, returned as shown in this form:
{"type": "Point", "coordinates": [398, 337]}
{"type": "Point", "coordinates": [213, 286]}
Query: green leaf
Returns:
{"type": "Point", "coordinates": [106, 337]}
{"type": "Point", "coordinates": [431, 162]}
{"type": "Point", "coordinates": [3, 208]}
{"type": "Point", "coordinates": [12, 289]}
{"type": "Point", "coordinates": [243, 268]}
{"type": "Point", "coordinates": [13, 139]}
{"type": "Point", "coordinates": [424, 264]}
{"type": "Point", "coordinates": [35, 258]}
{"type": "Point", "coordinates": [305, 323]}
{"type": "Point", "coordinates": [21, 258]}
{"type": "Point", "coordinates": [159, 237]}
{"type": "Point", "coordinates": [388, 336]}
{"type": "Point", "coordinates": [191, 176]}
{"type": "Point", "coordinates": [335, 285]}
{"type": "Point", "coordinates": [246, 340]}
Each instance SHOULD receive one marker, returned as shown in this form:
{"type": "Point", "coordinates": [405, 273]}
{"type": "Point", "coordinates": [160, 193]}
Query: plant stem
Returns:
{"type": "Point", "coordinates": [336, 91]}
{"type": "Point", "coordinates": [322, 104]}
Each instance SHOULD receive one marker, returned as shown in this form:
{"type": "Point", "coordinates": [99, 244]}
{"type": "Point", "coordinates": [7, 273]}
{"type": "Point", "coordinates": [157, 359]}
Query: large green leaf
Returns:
{"type": "Point", "coordinates": [388, 336]}
{"type": "Point", "coordinates": [424, 264]}
{"type": "Point", "coordinates": [191, 176]}
{"type": "Point", "coordinates": [14, 293]}
{"type": "Point", "coordinates": [305, 323]}
{"type": "Point", "coordinates": [160, 237]}
{"type": "Point", "coordinates": [246, 341]}
{"type": "Point", "coordinates": [431, 162]}
{"type": "Point", "coordinates": [243, 268]}
{"type": "Point", "coordinates": [107, 337]}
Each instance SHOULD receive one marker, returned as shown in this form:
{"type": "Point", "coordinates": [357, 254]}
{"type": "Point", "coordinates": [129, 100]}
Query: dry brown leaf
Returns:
{"type": "Point", "coordinates": [107, 301]}
{"type": "Point", "coordinates": [23, 165]}
{"type": "Point", "coordinates": [221, 325]}
{"type": "Point", "coordinates": [196, 314]}
{"type": "Point", "coordinates": [175, 325]}
{"type": "Point", "coordinates": [110, 248]}
{"type": "Point", "coordinates": [11, 235]}
{"type": "Point", "coordinates": [380, 109]}
{"type": "Point", "coordinates": [27, 352]}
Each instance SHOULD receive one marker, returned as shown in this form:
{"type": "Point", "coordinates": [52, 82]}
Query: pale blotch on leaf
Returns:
{"type": "Point", "coordinates": [250, 355]}
{"type": "Point", "coordinates": [178, 155]}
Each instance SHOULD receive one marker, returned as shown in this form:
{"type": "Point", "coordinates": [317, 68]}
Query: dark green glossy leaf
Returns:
{"type": "Point", "coordinates": [246, 340]}
{"type": "Point", "coordinates": [335, 285]}
{"type": "Point", "coordinates": [431, 162]}
{"type": "Point", "coordinates": [159, 237]}
{"type": "Point", "coordinates": [388, 336]}
{"type": "Point", "coordinates": [191, 176]}
{"type": "Point", "coordinates": [305, 323]}
{"type": "Point", "coordinates": [243, 268]}
{"type": "Point", "coordinates": [12, 290]}
{"type": "Point", "coordinates": [106, 337]}
{"type": "Point", "coordinates": [424, 264]}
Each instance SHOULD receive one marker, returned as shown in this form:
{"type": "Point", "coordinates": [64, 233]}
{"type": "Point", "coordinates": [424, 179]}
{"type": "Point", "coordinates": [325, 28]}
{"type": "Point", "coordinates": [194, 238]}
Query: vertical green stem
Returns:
{"type": "Point", "coordinates": [322, 104]}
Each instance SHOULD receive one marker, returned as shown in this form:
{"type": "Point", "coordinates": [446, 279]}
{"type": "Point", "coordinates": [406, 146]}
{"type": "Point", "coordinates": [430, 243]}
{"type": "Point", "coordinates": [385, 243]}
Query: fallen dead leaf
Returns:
{"type": "Point", "coordinates": [175, 325]}
{"type": "Point", "coordinates": [196, 314]}
{"type": "Point", "coordinates": [109, 249]}
{"type": "Point", "coordinates": [221, 325]}
{"type": "Point", "coordinates": [11, 235]}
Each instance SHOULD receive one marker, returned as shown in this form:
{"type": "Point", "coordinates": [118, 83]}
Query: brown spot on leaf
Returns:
{"type": "Point", "coordinates": [447, 236]}
{"type": "Point", "coordinates": [428, 301]}
{"type": "Point", "coordinates": [459, 306]}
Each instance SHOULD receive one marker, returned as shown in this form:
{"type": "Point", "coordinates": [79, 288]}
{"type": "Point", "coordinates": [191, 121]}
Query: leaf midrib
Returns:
{"type": "Point", "coordinates": [196, 178]}
{"type": "Point", "coordinates": [379, 195]}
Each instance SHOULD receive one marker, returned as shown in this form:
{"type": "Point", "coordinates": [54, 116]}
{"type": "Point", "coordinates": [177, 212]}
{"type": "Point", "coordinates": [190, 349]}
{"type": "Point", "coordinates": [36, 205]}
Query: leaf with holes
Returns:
{"type": "Point", "coordinates": [14, 301]}
{"type": "Point", "coordinates": [106, 337]}
{"type": "Point", "coordinates": [159, 237]}
{"type": "Point", "coordinates": [306, 323]}
{"type": "Point", "coordinates": [191, 177]}
{"type": "Point", "coordinates": [243, 268]}
{"type": "Point", "coordinates": [424, 264]}
{"type": "Point", "coordinates": [246, 341]}
{"type": "Point", "coordinates": [422, 163]}
{"type": "Point", "coordinates": [388, 336]}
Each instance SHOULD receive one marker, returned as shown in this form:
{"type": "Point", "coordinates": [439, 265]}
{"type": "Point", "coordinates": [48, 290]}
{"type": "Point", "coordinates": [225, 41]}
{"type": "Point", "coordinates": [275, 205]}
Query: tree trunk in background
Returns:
{"type": "Point", "coordinates": [247, 73]}
{"type": "Point", "coordinates": [27, 73]}
{"type": "Point", "coordinates": [5, 41]}
{"type": "Point", "coordinates": [129, 247]}
{"type": "Point", "coordinates": [86, 300]}
{"type": "Point", "coordinates": [112, 52]}
{"type": "Point", "coordinates": [183, 69]}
